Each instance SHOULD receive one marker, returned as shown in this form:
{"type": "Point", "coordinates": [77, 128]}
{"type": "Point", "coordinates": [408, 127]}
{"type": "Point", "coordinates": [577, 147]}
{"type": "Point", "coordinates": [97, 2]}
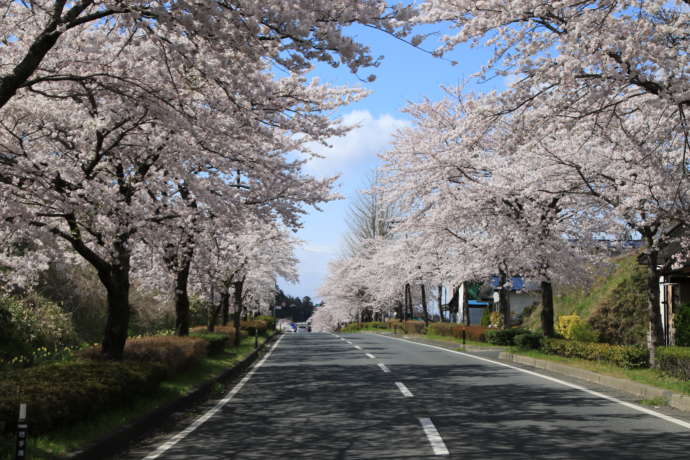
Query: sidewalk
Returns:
{"type": "Point", "coordinates": [639, 390]}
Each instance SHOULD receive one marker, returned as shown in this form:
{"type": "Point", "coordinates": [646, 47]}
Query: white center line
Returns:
{"type": "Point", "coordinates": [358, 347]}
{"type": "Point", "coordinates": [371, 356]}
{"type": "Point", "coordinates": [384, 368]}
{"type": "Point", "coordinates": [437, 444]}
{"type": "Point", "coordinates": [211, 412]}
{"type": "Point", "coordinates": [404, 390]}
{"type": "Point", "coordinates": [644, 410]}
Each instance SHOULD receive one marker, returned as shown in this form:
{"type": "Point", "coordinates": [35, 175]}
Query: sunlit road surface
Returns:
{"type": "Point", "coordinates": [352, 396]}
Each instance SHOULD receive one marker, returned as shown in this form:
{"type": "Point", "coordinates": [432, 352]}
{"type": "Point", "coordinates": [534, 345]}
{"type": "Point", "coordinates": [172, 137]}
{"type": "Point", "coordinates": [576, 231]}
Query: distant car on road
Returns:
{"type": "Point", "coordinates": [302, 327]}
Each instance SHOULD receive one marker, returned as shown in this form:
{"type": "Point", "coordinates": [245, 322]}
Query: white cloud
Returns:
{"type": "Point", "coordinates": [319, 249]}
{"type": "Point", "coordinates": [360, 145]}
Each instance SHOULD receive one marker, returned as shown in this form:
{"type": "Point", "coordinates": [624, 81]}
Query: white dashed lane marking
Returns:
{"type": "Point", "coordinates": [371, 356]}
{"type": "Point", "coordinates": [435, 439]}
{"type": "Point", "coordinates": [404, 390]}
{"type": "Point", "coordinates": [384, 368]}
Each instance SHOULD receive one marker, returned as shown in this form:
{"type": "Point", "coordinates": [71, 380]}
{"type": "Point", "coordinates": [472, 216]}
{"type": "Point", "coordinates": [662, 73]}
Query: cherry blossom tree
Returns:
{"type": "Point", "coordinates": [49, 40]}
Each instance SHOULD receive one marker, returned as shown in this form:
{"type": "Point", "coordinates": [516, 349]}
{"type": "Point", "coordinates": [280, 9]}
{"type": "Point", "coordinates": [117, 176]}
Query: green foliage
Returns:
{"type": "Point", "coordinates": [681, 322]}
{"type": "Point", "coordinates": [503, 336]}
{"type": "Point", "coordinates": [486, 318]}
{"type": "Point", "coordinates": [528, 340]}
{"type": "Point", "coordinates": [217, 341]}
{"type": "Point", "coordinates": [34, 330]}
{"type": "Point", "coordinates": [584, 332]}
{"type": "Point", "coordinates": [621, 318]}
{"type": "Point", "coordinates": [628, 356]}
{"type": "Point", "coordinates": [614, 304]}
{"type": "Point", "coordinates": [62, 393]}
{"type": "Point", "coordinates": [674, 361]}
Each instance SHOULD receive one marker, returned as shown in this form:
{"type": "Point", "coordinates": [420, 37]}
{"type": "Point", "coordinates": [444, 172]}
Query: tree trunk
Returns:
{"type": "Point", "coordinates": [440, 302]}
{"type": "Point", "coordinates": [504, 307]}
{"type": "Point", "coordinates": [116, 283]}
{"type": "Point", "coordinates": [655, 331]}
{"type": "Point", "coordinates": [238, 310]}
{"type": "Point", "coordinates": [225, 305]}
{"type": "Point", "coordinates": [547, 308]}
{"type": "Point", "coordinates": [465, 305]}
{"type": "Point", "coordinates": [503, 301]}
{"type": "Point", "coordinates": [424, 308]}
{"type": "Point", "coordinates": [408, 302]}
{"type": "Point", "coordinates": [182, 299]}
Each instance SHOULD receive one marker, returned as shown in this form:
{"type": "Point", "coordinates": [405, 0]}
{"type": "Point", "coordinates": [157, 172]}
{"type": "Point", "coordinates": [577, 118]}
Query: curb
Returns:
{"type": "Point", "coordinates": [113, 443]}
{"type": "Point", "coordinates": [641, 390]}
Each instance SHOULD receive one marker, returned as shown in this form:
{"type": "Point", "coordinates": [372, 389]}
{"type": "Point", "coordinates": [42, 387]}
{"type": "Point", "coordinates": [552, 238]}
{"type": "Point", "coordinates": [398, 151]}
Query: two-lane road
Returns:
{"type": "Point", "coordinates": [351, 396]}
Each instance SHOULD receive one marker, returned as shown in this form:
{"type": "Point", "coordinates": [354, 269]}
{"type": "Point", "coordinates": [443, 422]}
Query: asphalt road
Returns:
{"type": "Point", "coordinates": [317, 396]}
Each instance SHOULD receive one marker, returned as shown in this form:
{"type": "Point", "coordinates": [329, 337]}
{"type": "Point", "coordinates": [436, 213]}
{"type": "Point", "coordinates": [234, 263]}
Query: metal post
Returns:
{"type": "Point", "coordinates": [22, 433]}
{"type": "Point", "coordinates": [463, 337]}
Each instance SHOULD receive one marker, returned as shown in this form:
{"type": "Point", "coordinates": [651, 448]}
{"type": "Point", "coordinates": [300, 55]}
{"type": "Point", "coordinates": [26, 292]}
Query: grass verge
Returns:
{"type": "Point", "coordinates": [68, 439]}
{"type": "Point", "coordinates": [652, 377]}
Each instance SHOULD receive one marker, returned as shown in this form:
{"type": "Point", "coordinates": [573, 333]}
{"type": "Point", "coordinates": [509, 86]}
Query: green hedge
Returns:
{"type": "Point", "coordinates": [630, 356]}
{"type": "Point", "coordinates": [674, 361]}
{"type": "Point", "coordinates": [217, 341]}
{"type": "Point", "coordinates": [503, 336]}
{"type": "Point", "coordinates": [529, 340]}
{"type": "Point", "coordinates": [62, 393]}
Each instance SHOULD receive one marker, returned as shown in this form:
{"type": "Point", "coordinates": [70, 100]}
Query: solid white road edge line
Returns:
{"type": "Point", "coordinates": [404, 390]}
{"type": "Point", "coordinates": [369, 355]}
{"type": "Point", "coordinates": [384, 368]}
{"type": "Point", "coordinates": [211, 412]}
{"type": "Point", "coordinates": [435, 439]}
{"type": "Point", "coordinates": [644, 410]}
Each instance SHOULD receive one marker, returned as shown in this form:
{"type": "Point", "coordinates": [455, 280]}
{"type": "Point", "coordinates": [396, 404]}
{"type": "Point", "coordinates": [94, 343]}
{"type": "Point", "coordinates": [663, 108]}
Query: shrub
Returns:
{"type": "Point", "coordinates": [33, 323]}
{"type": "Point", "coordinates": [62, 393]}
{"type": "Point", "coordinates": [503, 336]}
{"type": "Point", "coordinates": [415, 327]}
{"type": "Point", "coordinates": [630, 356]}
{"type": "Point", "coordinates": [173, 353]}
{"type": "Point", "coordinates": [621, 315]}
{"type": "Point", "coordinates": [443, 329]}
{"type": "Point", "coordinates": [681, 322]}
{"type": "Point", "coordinates": [528, 340]}
{"type": "Point", "coordinates": [269, 320]}
{"type": "Point", "coordinates": [217, 341]}
{"type": "Point", "coordinates": [496, 319]}
{"type": "Point", "coordinates": [253, 326]}
{"type": "Point", "coordinates": [486, 318]}
{"type": "Point", "coordinates": [565, 325]}
{"type": "Point", "coordinates": [584, 332]}
{"type": "Point", "coordinates": [674, 361]}
{"type": "Point", "coordinates": [476, 333]}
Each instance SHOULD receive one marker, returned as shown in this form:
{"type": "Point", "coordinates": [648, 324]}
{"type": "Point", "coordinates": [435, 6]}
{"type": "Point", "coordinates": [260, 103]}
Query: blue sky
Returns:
{"type": "Point", "coordinates": [405, 75]}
